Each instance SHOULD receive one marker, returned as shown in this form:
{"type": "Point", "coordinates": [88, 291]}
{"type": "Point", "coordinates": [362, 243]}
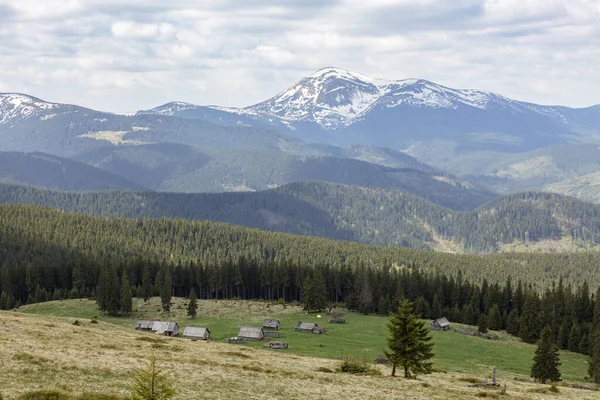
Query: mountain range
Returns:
{"type": "Point", "coordinates": [456, 148]}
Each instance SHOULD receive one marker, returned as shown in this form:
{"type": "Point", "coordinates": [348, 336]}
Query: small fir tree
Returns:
{"type": "Point", "coordinates": [530, 320]}
{"type": "Point", "coordinates": [546, 360]}
{"type": "Point", "coordinates": [574, 337]}
{"type": "Point", "coordinates": [192, 308]}
{"type": "Point", "coordinates": [409, 342]}
{"type": "Point", "coordinates": [482, 326]}
{"type": "Point", "coordinates": [152, 383]}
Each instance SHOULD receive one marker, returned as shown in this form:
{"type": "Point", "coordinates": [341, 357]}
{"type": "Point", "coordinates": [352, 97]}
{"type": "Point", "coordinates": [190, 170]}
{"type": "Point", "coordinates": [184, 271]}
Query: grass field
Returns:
{"type": "Point", "coordinates": [362, 336]}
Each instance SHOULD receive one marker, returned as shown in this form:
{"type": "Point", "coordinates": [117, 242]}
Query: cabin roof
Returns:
{"type": "Point", "coordinates": [306, 325]}
{"type": "Point", "coordinates": [442, 321]}
{"type": "Point", "coordinates": [253, 332]}
{"type": "Point", "coordinates": [195, 331]}
{"type": "Point", "coordinates": [271, 323]}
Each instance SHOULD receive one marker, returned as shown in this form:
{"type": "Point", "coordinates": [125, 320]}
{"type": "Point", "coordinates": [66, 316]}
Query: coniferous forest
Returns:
{"type": "Point", "coordinates": [47, 254]}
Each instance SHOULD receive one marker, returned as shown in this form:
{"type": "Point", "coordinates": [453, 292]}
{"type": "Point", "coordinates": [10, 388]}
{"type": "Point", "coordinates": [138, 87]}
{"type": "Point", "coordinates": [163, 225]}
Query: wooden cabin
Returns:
{"type": "Point", "coordinates": [272, 324]}
{"type": "Point", "coordinates": [144, 325]}
{"type": "Point", "coordinates": [440, 324]}
{"type": "Point", "coordinates": [251, 333]}
{"type": "Point", "coordinates": [309, 327]}
{"type": "Point", "coordinates": [166, 328]}
{"type": "Point", "coordinates": [192, 332]}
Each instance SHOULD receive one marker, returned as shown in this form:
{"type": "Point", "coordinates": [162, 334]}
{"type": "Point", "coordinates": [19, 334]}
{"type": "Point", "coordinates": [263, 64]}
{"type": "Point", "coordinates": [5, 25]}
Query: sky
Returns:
{"type": "Point", "coordinates": [124, 56]}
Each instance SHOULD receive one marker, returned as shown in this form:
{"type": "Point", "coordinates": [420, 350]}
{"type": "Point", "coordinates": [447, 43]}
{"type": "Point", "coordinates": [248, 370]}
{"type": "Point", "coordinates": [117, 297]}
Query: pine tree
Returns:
{"type": "Point", "coordinates": [546, 359]}
{"type": "Point", "coordinates": [574, 337]}
{"type": "Point", "coordinates": [563, 335]}
{"type": "Point", "coordinates": [422, 308]}
{"type": "Point", "coordinates": [436, 307]}
{"type": "Point", "coordinates": [409, 342]}
{"type": "Point", "coordinates": [482, 326]}
{"type": "Point", "coordinates": [529, 328]}
{"type": "Point", "coordinates": [166, 290]}
{"type": "Point", "coordinates": [108, 294]}
{"type": "Point", "coordinates": [594, 364]}
{"type": "Point", "coordinates": [513, 322]}
{"type": "Point", "coordinates": [314, 292]}
{"type": "Point", "coordinates": [495, 321]}
{"type": "Point", "coordinates": [152, 383]}
{"type": "Point", "coordinates": [146, 284]}
{"type": "Point", "coordinates": [192, 309]}
{"type": "Point", "coordinates": [126, 296]}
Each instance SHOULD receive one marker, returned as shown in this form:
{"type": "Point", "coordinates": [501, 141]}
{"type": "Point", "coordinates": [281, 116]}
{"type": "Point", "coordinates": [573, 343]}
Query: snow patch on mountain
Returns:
{"type": "Point", "coordinates": [170, 109]}
{"type": "Point", "coordinates": [15, 106]}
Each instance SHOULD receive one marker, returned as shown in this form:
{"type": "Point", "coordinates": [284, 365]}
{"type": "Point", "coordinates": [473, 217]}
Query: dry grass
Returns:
{"type": "Point", "coordinates": [41, 352]}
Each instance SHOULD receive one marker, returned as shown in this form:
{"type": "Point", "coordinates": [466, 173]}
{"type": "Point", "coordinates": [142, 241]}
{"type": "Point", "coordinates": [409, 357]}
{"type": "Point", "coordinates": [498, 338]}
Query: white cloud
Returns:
{"type": "Point", "coordinates": [123, 56]}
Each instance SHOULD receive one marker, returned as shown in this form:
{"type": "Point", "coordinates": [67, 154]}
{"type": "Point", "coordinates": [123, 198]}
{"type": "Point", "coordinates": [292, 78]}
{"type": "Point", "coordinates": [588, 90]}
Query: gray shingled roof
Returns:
{"type": "Point", "coordinates": [309, 326]}
{"type": "Point", "coordinates": [271, 323]}
{"type": "Point", "coordinates": [161, 327]}
{"type": "Point", "coordinates": [251, 332]}
{"type": "Point", "coordinates": [442, 322]}
{"type": "Point", "coordinates": [193, 331]}
{"type": "Point", "coordinates": [144, 324]}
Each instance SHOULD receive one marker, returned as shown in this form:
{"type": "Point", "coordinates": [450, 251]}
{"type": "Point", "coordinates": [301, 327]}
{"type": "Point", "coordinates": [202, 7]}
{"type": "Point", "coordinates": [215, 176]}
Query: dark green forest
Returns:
{"type": "Point", "coordinates": [49, 254]}
{"type": "Point", "coordinates": [372, 216]}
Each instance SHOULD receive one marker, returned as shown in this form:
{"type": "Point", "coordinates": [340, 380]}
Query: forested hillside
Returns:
{"type": "Point", "coordinates": [373, 216]}
{"type": "Point", "coordinates": [175, 167]}
{"type": "Point", "coordinates": [44, 170]}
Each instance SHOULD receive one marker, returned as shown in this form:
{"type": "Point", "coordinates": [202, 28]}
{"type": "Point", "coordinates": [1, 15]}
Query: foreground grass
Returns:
{"type": "Point", "coordinates": [364, 336]}
{"type": "Point", "coordinates": [46, 352]}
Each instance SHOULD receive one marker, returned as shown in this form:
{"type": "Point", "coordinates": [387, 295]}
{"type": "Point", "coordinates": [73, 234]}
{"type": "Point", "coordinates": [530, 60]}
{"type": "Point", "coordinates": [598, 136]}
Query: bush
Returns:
{"type": "Point", "coordinates": [360, 367]}
{"type": "Point", "coordinates": [77, 323]}
{"type": "Point", "coordinates": [554, 388]}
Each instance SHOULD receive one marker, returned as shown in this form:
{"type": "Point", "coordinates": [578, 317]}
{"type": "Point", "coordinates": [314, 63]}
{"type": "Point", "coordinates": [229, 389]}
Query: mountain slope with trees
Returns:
{"type": "Point", "coordinates": [372, 216]}
{"type": "Point", "coordinates": [44, 170]}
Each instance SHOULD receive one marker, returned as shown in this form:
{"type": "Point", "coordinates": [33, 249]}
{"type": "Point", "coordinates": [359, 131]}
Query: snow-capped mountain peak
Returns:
{"type": "Point", "coordinates": [335, 98]}
{"type": "Point", "coordinates": [16, 106]}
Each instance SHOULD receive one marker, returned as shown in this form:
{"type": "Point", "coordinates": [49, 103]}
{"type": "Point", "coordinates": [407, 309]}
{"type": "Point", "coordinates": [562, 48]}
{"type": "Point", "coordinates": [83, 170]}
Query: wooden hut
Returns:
{"type": "Point", "coordinates": [193, 332]}
{"type": "Point", "coordinates": [272, 324]}
{"type": "Point", "coordinates": [166, 328]}
{"type": "Point", "coordinates": [144, 325]}
{"type": "Point", "coordinates": [440, 324]}
{"type": "Point", "coordinates": [251, 333]}
{"type": "Point", "coordinates": [309, 327]}
{"type": "Point", "coordinates": [337, 318]}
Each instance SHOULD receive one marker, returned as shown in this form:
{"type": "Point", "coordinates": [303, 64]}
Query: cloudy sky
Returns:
{"type": "Point", "coordinates": [123, 56]}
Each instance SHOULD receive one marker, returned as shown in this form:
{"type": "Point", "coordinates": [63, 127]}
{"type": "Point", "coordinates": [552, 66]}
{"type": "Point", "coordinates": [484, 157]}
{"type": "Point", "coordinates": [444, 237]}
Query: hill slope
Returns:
{"type": "Point", "coordinates": [52, 353]}
{"type": "Point", "coordinates": [180, 168]}
{"type": "Point", "coordinates": [373, 216]}
{"type": "Point", "coordinates": [44, 170]}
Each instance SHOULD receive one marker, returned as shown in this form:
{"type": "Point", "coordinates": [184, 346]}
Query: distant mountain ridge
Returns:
{"type": "Point", "coordinates": [524, 222]}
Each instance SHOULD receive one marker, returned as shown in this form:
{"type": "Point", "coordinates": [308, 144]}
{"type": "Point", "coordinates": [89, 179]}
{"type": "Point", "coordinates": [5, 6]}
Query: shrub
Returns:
{"type": "Point", "coordinates": [554, 388]}
{"type": "Point", "coordinates": [77, 323]}
{"type": "Point", "coordinates": [354, 366]}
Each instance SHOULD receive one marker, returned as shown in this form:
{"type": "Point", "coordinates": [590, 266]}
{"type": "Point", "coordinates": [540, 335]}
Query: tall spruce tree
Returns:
{"type": "Point", "coordinates": [146, 284]}
{"type": "Point", "coordinates": [409, 342]}
{"type": "Point", "coordinates": [126, 296]}
{"type": "Point", "coordinates": [529, 330]}
{"type": "Point", "coordinates": [482, 326]}
{"type": "Point", "coordinates": [192, 308]}
{"type": "Point", "coordinates": [594, 364]}
{"type": "Point", "coordinates": [108, 294]}
{"type": "Point", "coordinates": [166, 289]}
{"type": "Point", "coordinates": [314, 292]}
{"type": "Point", "coordinates": [546, 360]}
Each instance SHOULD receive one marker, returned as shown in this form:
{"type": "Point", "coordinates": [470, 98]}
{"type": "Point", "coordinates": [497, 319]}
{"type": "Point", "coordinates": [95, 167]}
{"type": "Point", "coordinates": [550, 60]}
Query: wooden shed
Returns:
{"type": "Point", "coordinates": [440, 324]}
{"type": "Point", "coordinates": [193, 332]}
{"type": "Point", "coordinates": [272, 324]}
{"type": "Point", "coordinates": [251, 333]}
{"type": "Point", "coordinates": [166, 328]}
{"type": "Point", "coordinates": [309, 327]}
{"type": "Point", "coordinates": [144, 325]}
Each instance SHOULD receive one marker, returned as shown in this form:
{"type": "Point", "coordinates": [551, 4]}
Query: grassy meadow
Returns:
{"type": "Point", "coordinates": [363, 336]}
